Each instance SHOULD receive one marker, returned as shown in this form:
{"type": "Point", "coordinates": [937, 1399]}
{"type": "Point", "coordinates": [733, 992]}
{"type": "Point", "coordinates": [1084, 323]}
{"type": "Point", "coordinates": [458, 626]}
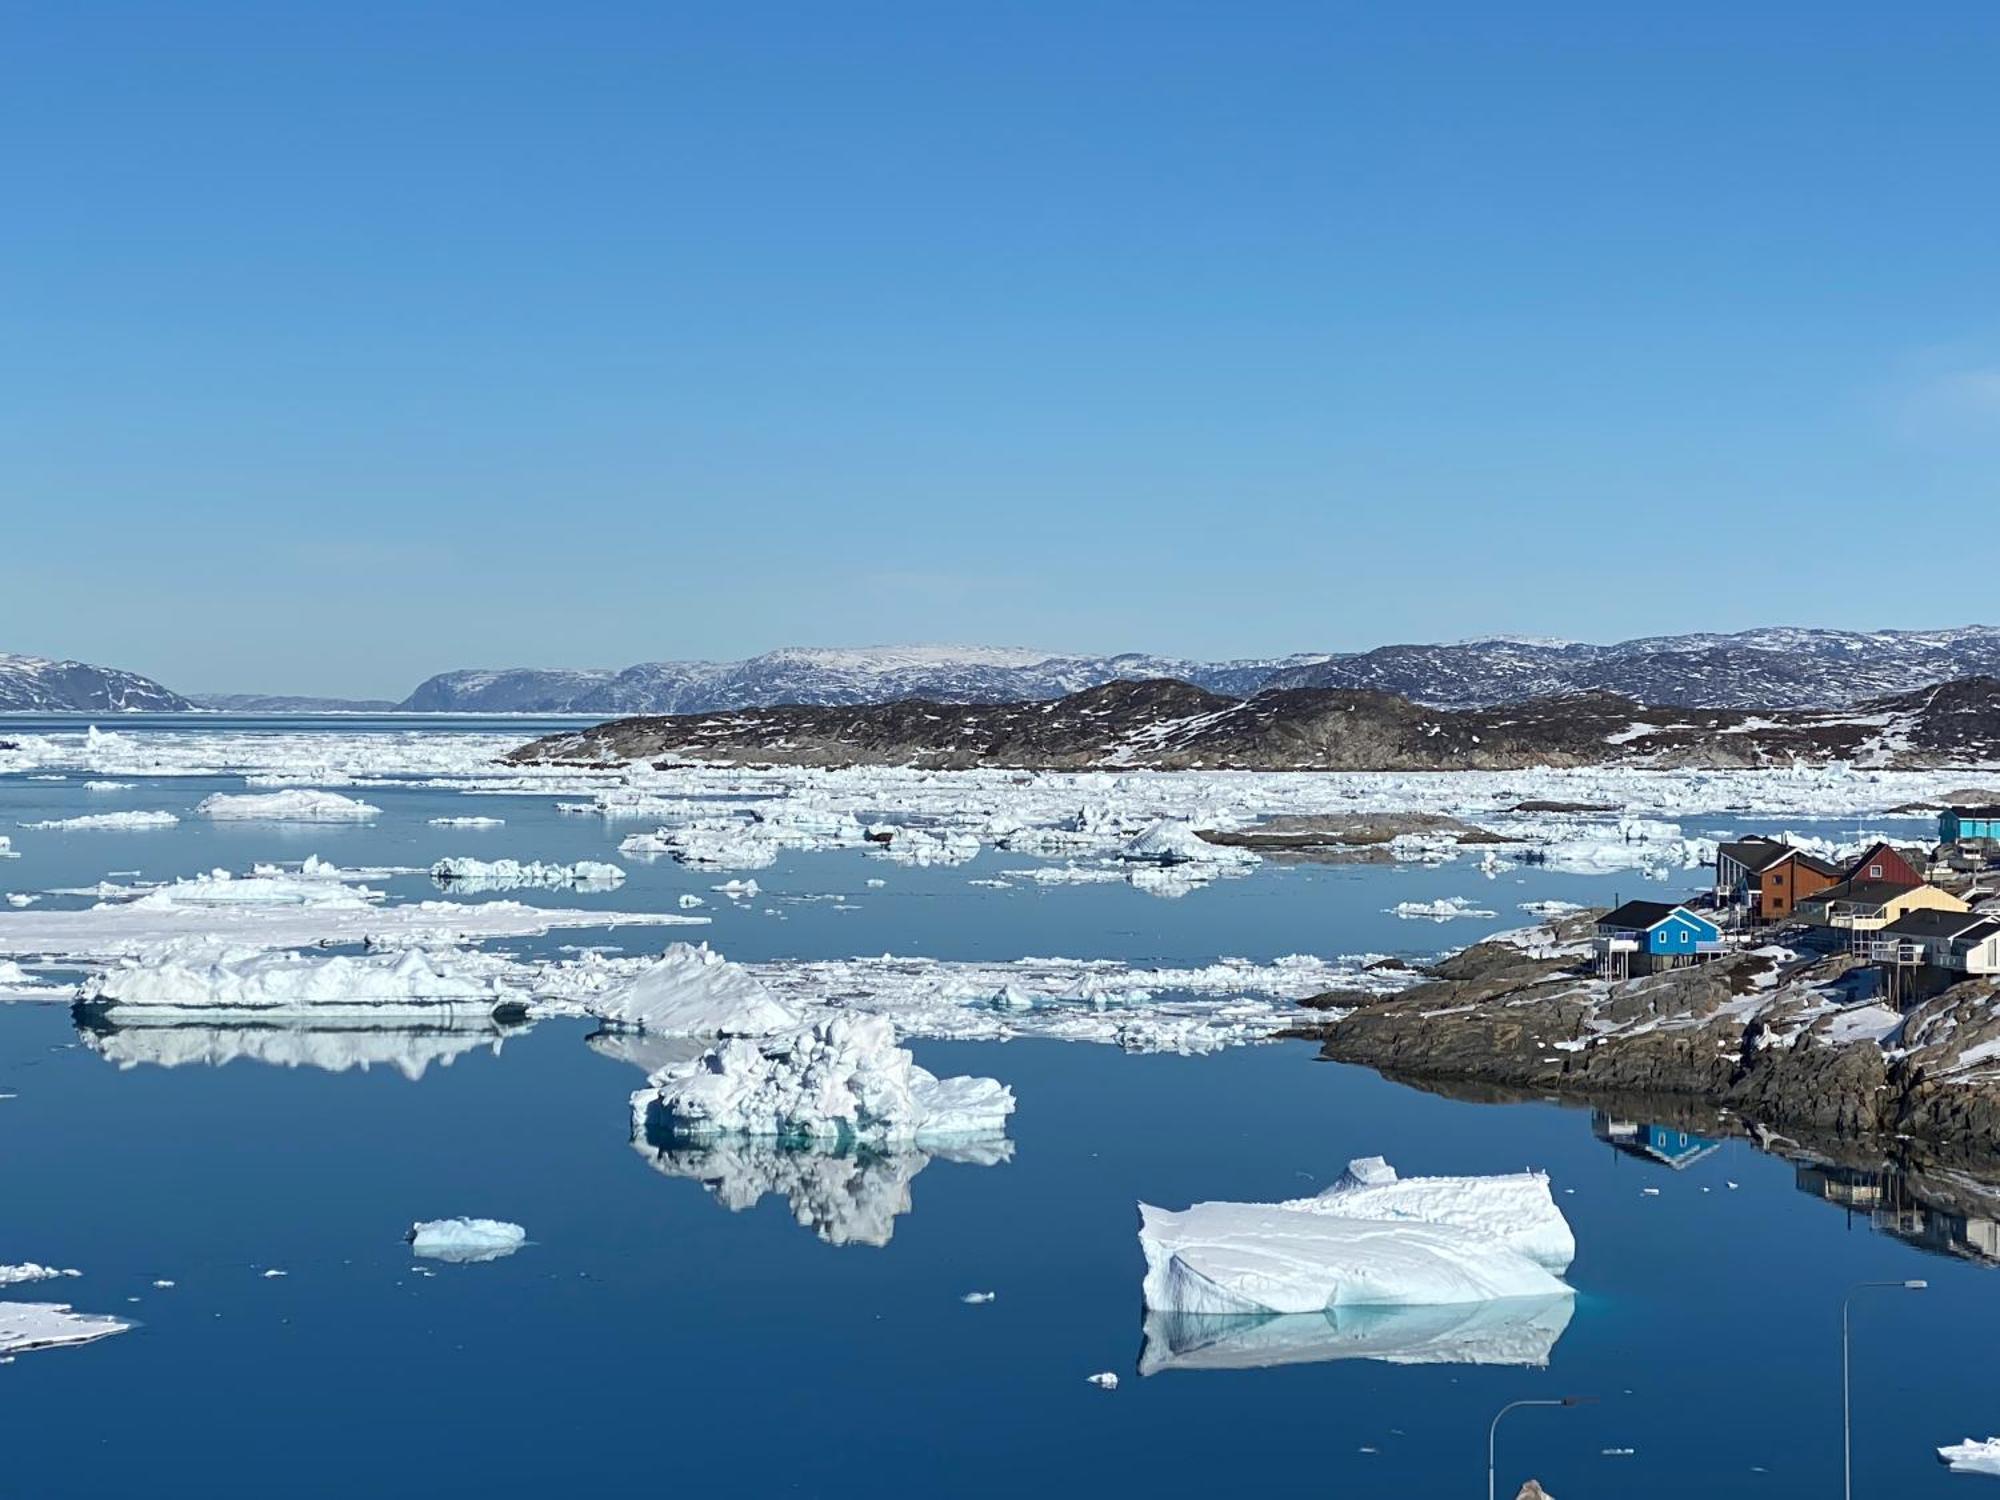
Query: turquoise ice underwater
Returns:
{"type": "Point", "coordinates": [650, 1332]}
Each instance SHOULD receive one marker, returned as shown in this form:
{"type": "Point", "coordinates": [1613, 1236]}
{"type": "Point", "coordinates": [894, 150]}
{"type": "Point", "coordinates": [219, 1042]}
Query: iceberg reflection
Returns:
{"type": "Point", "coordinates": [332, 1048]}
{"type": "Point", "coordinates": [848, 1196]}
{"type": "Point", "coordinates": [1508, 1331]}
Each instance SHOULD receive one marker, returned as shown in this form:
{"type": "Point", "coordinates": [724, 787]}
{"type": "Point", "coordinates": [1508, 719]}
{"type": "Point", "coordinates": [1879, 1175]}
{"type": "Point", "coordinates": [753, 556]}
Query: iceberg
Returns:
{"type": "Point", "coordinates": [693, 991]}
{"type": "Point", "coordinates": [1171, 842]}
{"type": "Point", "coordinates": [50, 1325]}
{"type": "Point", "coordinates": [255, 984]}
{"type": "Point", "coordinates": [513, 874]}
{"type": "Point", "coordinates": [30, 1271]}
{"type": "Point", "coordinates": [292, 806]}
{"type": "Point", "coordinates": [465, 1241]}
{"type": "Point", "coordinates": [1372, 1240]}
{"type": "Point", "coordinates": [841, 1079]}
{"type": "Point", "coordinates": [1972, 1457]}
{"type": "Point", "coordinates": [1506, 1331]}
{"type": "Point", "coordinates": [106, 821]}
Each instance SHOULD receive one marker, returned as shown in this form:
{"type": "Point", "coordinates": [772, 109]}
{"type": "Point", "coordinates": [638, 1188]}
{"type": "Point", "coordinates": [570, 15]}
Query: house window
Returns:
{"type": "Point", "coordinates": [1874, 872]}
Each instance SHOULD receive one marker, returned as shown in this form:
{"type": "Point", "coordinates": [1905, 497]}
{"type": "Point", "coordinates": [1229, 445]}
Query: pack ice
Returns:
{"type": "Point", "coordinates": [842, 1079]}
{"type": "Point", "coordinates": [465, 1240]}
{"type": "Point", "coordinates": [1370, 1240]}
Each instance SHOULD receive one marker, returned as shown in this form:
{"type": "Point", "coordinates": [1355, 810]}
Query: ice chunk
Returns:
{"type": "Point", "coordinates": [693, 991]}
{"type": "Point", "coordinates": [264, 984]}
{"type": "Point", "coordinates": [1170, 842]}
{"type": "Point", "coordinates": [1104, 1380]}
{"type": "Point", "coordinates": [512, 874]}
{"type": "Point", "coordinates": [108, 821]}
{"type": "Point", "coordinates": [292, 806]}
{"type": "Point", "coordinates": [468, 822]}
{"type": "Point", "coordinates": [465, 1240]}
{"type": "Point", "coordinates": [841, 1079]}
{"type": "Point", "coordinates": [29, 1271]}
{"type": "Point", "coordinates": [1514, 1209]}
{"type": "Point", "coordinates": [1264, 1257]}
{"type": "Point", "coordinates": [1445, 909]}
{"type": "Point", "coordinates": [50, 1325]}
{"type": "Point", "coordinates": [1506, 1331]}
{"type": "Point", "coordinates": [1972, 1457]}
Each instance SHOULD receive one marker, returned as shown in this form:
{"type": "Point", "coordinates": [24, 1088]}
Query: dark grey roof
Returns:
{"type": "Point", "coordinates": [1758, 853]}
{"type": "Point", "coordinates": [1937, 924]}
{"type": "Point", "coordinates": [1819, 866]}
{"type": "Point", "coordinates": [1638, 916]}
{"type": "Point", "coordinates": [1988, 811]}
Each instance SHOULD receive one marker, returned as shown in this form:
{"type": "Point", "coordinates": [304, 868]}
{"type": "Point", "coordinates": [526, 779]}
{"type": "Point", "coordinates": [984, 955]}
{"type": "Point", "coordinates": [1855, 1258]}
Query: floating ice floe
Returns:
{"type": "Point", "coordinates": [1972, 1456]}
{"type": "Point", "coordinates": [921, 847]}
{"type": "Point", "coordinates": [841, 1079]}
{"type": "Point", "coordinates": [1169, 842]}
{"type": "Point", "coordinates": [107, 822]}
{"type": "Point", "coordinates": [107, 786]}
{"type": "Point", "coordinates": [465, 1240]}
{"type": "Point", "coordinates": [512, 874]}
{"type": "Point", "coordinates": [259, 985]}
{"type": "Point", "coordinates": [1104, 1380]}
{"type": "Point", "coordinates": [1504, 1331]}
{"type": "Point", "coordinates": [292, 806]}
{"type": "Point", "coordinates": [1370, 1241]}
{"type": "Point", "coordinates": [694, 991]}
{"type": "Point", "coordinates": [1445, 909]}
{"type": "Point", "coordinates": [30, 1271]}
{"type": "Point", "coordinates": [50, 1325]}
{"type": "Point", "coordinates": [468, 822]}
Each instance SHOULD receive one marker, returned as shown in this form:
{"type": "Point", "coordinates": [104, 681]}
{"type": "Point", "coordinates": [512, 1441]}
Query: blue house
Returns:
{"type": "Point", "coordinates": [1959, 824]}
{"type": "Point", "coordinates": [1657, 934]}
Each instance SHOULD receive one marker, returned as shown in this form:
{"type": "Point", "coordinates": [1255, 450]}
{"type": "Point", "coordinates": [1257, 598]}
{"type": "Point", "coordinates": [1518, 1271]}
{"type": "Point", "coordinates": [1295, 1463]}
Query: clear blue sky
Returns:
{"type": "Point", "coordinates": [349, 342]}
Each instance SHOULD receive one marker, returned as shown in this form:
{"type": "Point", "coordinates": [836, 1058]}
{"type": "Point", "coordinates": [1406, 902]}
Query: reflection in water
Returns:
{"type": "Point", "coordinates": [846, 1197]}
{"type": "Point", "coordinates": [1650, 1141]}
{"type": "Point", "coordinates": [1949, 1213]}
{"type": "Point", "coordinates": [1510, 1331]}
{"type": "Point", "coordinates": [410, 1050]}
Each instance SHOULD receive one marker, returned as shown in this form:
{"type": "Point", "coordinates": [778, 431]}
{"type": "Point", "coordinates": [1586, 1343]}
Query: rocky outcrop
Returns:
{"type": "Point", "coordinates": [1770, 1039]}
{"type": "Point", "coordinates": [34, 684]}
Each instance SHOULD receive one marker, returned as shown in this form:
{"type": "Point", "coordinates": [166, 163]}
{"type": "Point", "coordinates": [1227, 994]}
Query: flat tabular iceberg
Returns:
{"type": "Point", "coordinates": [1370, 1241]}
{"type": "Point", "coordinates": [268, 984]}
{"type": "Point", "coordinates": [694, 991]}
{"type": "Point", "coordinates": [50, 1325]}
{"type": "Point", "coordinates": [110, 820]}
{"type": "Point", "coordinates": [292, 806]}
{"type": "Point", "coordinates": [513, 874]}
{"type": "Point", "coordinates": [465, 1240]}
{"type": "Point", "coordinates": [842, 1079]}
{"type": "Point", "coordinates": [1972, 1457]}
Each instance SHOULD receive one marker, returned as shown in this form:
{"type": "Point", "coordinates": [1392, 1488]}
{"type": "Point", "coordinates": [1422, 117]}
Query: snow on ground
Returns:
{"type": "Point", "coordinates": [466, 874]}
{"type": "Point", "coordinates": [465, 1241]}
{"type": "Point", "coordinates": [50, 1325]}
{"type": "Point", "coordinates": [106, 822]}
{"type": "Point", "coordinates": [1370, 1241]}
{"type": "Point", "coordinates": [286, 807]}
{"type": "Point", "coordinates": [1972, 1456]}
{"type": "Point", "coordinates": [840, 1080]}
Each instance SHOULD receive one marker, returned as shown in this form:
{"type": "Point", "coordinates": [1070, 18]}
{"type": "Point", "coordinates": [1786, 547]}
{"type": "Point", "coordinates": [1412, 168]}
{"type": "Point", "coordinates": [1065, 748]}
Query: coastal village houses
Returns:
{"type": "Point", "coordinates": [1764, 879]}
{"type": "Point", "coordinates": [1643, 937]}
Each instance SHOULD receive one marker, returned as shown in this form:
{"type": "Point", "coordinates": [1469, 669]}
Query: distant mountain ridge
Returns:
{"type": "Point", "coordinates": [35, 684]}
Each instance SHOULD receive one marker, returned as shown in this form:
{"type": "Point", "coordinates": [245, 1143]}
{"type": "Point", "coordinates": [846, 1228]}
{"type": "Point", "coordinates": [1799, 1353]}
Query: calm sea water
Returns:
{"type": "Point", "coordinates": [650, 1336]}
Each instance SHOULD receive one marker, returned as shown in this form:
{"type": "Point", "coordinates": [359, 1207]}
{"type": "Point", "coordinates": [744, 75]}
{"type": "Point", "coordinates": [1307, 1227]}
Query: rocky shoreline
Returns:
{"type": "Point", "coordinates": [1777, 1037]}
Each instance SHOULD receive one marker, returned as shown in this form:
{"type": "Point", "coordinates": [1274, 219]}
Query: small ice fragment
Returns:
{"type": "Point", "coordinates": [689, 901]}
{"type": "Point", "coordinates": [274, 1271]}
{"type": "Point", "coordinates": [465, 1240]}
{"type": "Point", "coordinates": [1104, 1380]}
{"type": "Point", "coordinates": [1730, 1185]}
{"type": "Point", "coordinates": [873, 881]}
{"type": "Point", "coordinates": [1650, 1192]}
{"type": "Point", "coordinates": [976, 1299]}
{"type": "Point", "coordinates": [1972, 1457]}
{"type": "Point", "coordinates": [1618, 1452]}
{"type": "Point", "coordinates": [162, 1283]}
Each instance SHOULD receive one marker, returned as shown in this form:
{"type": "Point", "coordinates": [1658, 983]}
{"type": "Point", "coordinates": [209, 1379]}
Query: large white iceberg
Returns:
{"type": "Point", "coordinates": [292, 806]}
{"type": "Point", "coordinates": [50, 1325]}
{"type": "Point", "coordinates": [693, 991]}
{"type": "Point", "coordinates": [465, 1240]}
{"type": "Point", "coordinates": [1505, 1331]}
{"type": "Point", "coordinates": [841, 1079]}
{"type": "Point", "coordinates": [1370, 1241]}
{"type": "Point", "coordinates": [260, 984]}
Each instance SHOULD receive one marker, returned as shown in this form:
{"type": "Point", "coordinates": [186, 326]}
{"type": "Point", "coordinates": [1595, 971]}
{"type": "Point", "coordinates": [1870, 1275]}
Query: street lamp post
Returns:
{"type": "Point", "coordinates": [1493, 1432]}
{"type": "Point", "coordinates": [1846, 1362]}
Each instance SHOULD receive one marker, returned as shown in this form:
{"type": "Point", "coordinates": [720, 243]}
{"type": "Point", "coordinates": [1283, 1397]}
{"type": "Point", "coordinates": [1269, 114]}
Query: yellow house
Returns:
{"type": "Point", "coordinates": [1871, 905]}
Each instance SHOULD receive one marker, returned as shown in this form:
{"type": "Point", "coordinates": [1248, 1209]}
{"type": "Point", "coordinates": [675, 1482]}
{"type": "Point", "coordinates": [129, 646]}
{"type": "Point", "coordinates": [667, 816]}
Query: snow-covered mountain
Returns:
{"type": "Point", "coordinates": [35, 684]}
{"type": "Point", "coordinates": [1781, 667]}
{"type": "Point", "coordinates": [959, 674]}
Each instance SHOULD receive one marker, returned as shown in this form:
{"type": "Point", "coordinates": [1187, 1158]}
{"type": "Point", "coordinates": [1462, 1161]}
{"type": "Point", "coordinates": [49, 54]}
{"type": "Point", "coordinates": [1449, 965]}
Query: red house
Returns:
{"type": "Point", "coordinates": [1882, 862]}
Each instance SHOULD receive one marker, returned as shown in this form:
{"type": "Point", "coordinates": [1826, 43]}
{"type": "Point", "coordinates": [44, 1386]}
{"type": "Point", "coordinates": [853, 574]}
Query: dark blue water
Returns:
{"type": "Point", "coordinates": [647, 1337]}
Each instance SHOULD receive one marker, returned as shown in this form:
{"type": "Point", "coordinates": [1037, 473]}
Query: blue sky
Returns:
{"type": "Point", "coordinates": [346, 343]}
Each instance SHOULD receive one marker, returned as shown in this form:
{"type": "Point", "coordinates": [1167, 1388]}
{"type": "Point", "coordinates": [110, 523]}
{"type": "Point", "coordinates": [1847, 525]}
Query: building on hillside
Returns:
{"type": "Point", "coordinates": [1863, 907]}
{"type": "Point", "coordinates": [1766, 878]}
{"type": "Point", "coordinates": [1967, 825]}
{"type": "Point", "coordinates": [1884, 862]}
{"type": "Point", "coordinates": [1642, 937]}
{"type": "Point", "coordinates": [1962, 942]}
